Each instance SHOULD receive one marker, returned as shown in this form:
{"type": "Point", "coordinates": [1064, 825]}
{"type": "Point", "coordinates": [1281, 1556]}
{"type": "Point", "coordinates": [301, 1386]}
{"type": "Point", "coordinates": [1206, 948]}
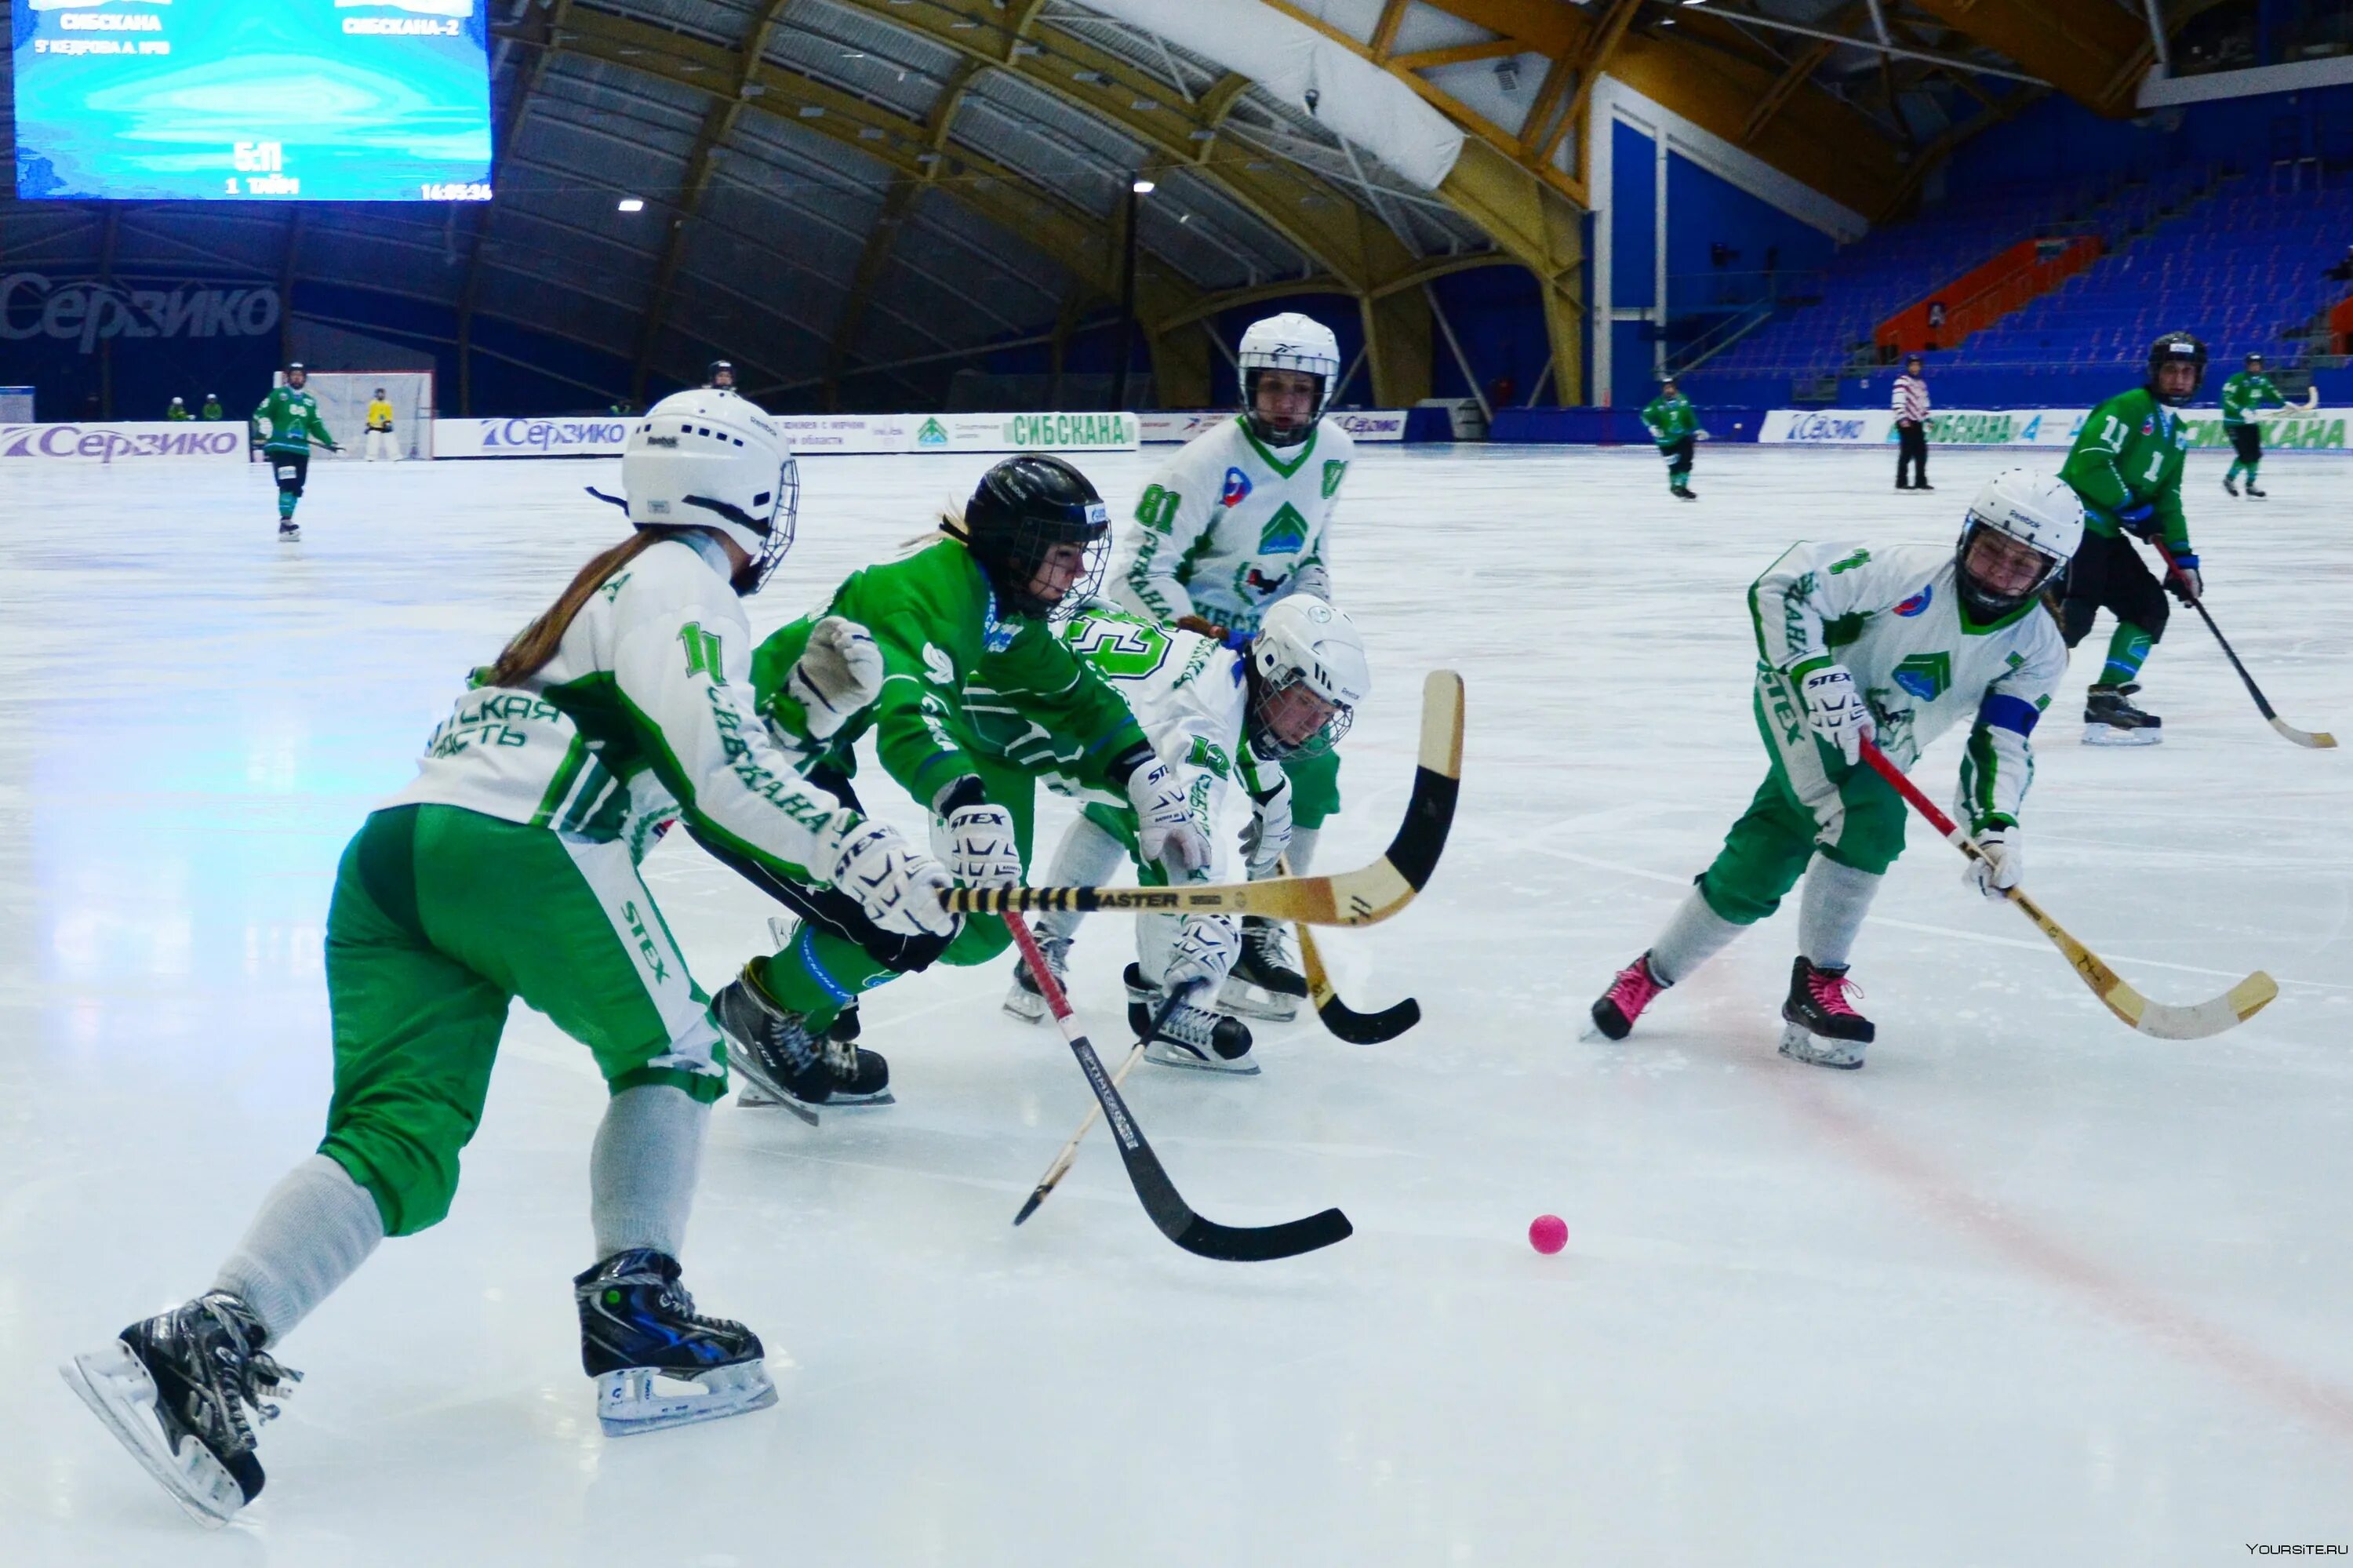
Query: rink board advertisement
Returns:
{"type": "Point", "coordinates": [811, 435]}
{"type": "Point", "coordinates": [1184, 424]}
{"type": "Point", "coordinates": [178, 440]}
{"type": "Point", "coordinates": [2320, 429]}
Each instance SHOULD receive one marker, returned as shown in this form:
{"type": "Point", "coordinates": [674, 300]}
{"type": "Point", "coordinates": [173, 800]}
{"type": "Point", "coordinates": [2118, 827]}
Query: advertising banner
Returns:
{"type": "Point", "coordinates": [1183, 425]}
{"type": "Point", "coordinates": [812, 435]}
{"type": "Point", "coordinates": [179, 439]}
{"type": "Point", "coordinates": [597, 437]}
{"type": "Point", "coordinates": [2321, 429]}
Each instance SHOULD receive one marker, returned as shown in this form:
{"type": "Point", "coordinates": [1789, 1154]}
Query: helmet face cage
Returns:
{"type": "Point", "coordinates": [1260, 726]}
{"type": "Point", "coordinates": [2177, 348]}
{"type": "Point", "coordinates": [1011, 558]}
{"type": "Point", "coordinates": [1984, 600]}
{"type": "Point", "coordinates": [1283, 435]}
{"type": "Point", "coordinates": [781, 524]}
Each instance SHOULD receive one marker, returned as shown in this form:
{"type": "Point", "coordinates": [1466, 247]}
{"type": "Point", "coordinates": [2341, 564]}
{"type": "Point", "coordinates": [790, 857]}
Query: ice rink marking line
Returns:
{"type": "Point", "coordinates": [2188, 1336]}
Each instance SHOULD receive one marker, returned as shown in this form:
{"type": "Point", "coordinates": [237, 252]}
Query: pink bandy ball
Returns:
{"type": "Point", "coordinates": [1548, 1233]}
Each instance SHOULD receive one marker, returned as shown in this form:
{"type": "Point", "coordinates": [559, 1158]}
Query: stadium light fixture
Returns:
{"type": "Point", "coordinates": [632, 204]}
{"type": "Point", "coordinates": [1142, 186]}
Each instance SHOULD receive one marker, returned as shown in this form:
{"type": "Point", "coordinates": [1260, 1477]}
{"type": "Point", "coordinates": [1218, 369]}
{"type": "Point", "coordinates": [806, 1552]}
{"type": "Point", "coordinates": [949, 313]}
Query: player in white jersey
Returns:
{"type": "Point", "coordinates": [509, 868]}
{"type": "Point", "coordinates": [1222, 716]}
{"type": "Point", "coordinates": [1897, 645]}
{"type": "Point", "coordinates": [1237, 520]}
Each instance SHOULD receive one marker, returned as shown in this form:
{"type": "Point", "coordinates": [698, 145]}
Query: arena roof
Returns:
{"type": "Point", "coordinates": [840, 194]}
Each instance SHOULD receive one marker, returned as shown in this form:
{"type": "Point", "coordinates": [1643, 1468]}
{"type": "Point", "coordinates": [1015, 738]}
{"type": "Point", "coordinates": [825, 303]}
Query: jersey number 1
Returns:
{"type": "Point", "coordinates": [701, 652]}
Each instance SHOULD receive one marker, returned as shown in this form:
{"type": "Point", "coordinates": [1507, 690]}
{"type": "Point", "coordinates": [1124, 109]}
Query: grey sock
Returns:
{"type": "Point", "coordinates": [1087, 857]}
{"type": "Point", "coordinates": [642, 1171]}
{"type": "Point", "coordinates": [1302, 849]}
{"type": "Point", "coordinates": [1836, 899]}
{"type": "Point", "coordinates": [1693, 936]}
{"type": "Point", "coordinates": [313, 1230]}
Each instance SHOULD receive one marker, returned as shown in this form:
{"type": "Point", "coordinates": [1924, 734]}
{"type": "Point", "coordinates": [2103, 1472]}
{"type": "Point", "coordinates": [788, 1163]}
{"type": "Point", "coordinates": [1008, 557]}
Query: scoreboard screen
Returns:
{"type": "Point", "coordinates": [252, 100]}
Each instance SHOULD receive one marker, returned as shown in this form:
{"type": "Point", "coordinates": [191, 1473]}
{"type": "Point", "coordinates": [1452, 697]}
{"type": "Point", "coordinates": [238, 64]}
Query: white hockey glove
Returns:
{"type": "Point", "coordinates": [1207, 947]}
{"type": "Point", "coordinates": [2004, 862]}
{"type": "Point", "coordinates": [838, 674]}
{"type": "Point", "coordinates": [1835, 710]}
{"type": "Point", "coordinates": [1268, 838]}
{"type": "Point", "coordinates": [1165, 828]}
{"type": "Point", "coordinates": [898, 886]}
{"type": "Point", "coordinates": [977, 843]}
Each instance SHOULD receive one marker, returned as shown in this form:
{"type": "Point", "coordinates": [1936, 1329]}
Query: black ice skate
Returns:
{"type": "Point", "coordinates": [638, 1325]}
{"type": "Point", "coordinates": [1023, 999]}
{"type": "Point", "coordinates": [1189, 1036]}
{"type": "Point", "coordinates": [1265, 981]}
{"type": "Point", "coordinates": [1821, 1025]}
{"type": "Point", "coordinates": [2258, 494]}
{"type": "Point", "coordinates": [784, 1063]}
{"type": "Point", "coordinates": [2110, 720]}
{"type": "Point", "coordinates": [2231, 485]}
{"type": "Point", "coordinates": [288, 532]}
{"type": "Point", "coordinates": [175, 1391]}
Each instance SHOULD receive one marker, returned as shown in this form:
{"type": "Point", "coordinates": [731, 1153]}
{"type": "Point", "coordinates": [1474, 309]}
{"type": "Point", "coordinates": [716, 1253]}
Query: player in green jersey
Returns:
{"type": "Point", "coordinates": [2250, 388]}
{"type": "Point", "coordinates": [2126, 466]}
{"type": "Point", "coordinates": [287, 423]}
{"type": "Point", "coordinates": [976, 695]}
{"type": "Point", "coordinates": [1674, 423]}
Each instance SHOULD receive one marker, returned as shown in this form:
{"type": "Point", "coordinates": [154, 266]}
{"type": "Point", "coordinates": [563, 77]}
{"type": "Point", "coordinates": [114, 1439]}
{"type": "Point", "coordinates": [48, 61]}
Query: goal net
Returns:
{"type": "Point", "coordinates": [344, 397]}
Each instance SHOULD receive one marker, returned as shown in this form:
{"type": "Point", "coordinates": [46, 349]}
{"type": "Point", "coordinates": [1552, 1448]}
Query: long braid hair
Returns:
{"type": "Point", "coordinates": [537, 643]}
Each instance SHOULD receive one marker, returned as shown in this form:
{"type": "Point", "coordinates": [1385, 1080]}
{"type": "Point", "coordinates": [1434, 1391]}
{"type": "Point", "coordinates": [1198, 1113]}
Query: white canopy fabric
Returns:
{"type": "Point", "coordinates": [1354, 96]}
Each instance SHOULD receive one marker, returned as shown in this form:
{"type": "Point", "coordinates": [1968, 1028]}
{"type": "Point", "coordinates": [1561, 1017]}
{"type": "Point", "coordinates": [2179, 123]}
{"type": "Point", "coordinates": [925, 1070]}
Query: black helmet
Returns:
{"type": "Point", "coordinates": [2254, 360]}
{"type": "Point", "coordinates": [2178, 348]}
{"type": "Point", "coordinates": [1022, 508]}
{"type": "Point", "coordinates": [293, 369]}
{"type": "Point", "coordinates": [719, 368]}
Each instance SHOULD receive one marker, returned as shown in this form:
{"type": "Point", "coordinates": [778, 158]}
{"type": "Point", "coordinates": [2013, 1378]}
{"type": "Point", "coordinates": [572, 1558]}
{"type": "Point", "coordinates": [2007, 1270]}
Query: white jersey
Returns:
{"type": "Point", "coordinates": [1892, 617]}
{"type": "Point", "coordinates": [1230, 527]}
{"type": "Point", "coordinates": [1191, 695]}
{"type": "Point", "coordinates": [644, 714]}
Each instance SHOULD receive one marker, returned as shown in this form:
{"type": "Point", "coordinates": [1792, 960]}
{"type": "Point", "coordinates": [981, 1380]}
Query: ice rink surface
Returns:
{"type": "Point", "coordinates": [2030, 1289]}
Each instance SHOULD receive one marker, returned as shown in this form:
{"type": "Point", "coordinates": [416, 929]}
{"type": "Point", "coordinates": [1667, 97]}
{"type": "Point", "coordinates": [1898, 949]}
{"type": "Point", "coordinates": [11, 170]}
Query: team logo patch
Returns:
{"type": "Point", "coordinates": [1285, 533]}
{"type": "Point", "coordinates": [938, 666]}
{"type": "Point", "coordinates": [2149, 427]}
{"type": "Point", "coordinates": [1237, 490]}
{"type": "Point", "coordinates": [1926, 676]}
{"type": "Point", "coordinates": [1917, 602]}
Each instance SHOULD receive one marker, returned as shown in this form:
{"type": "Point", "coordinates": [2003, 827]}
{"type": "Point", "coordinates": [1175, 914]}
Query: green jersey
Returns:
{"type": "Point", "coordinates": [1670, 418]}
{"type": "Point", "coordinates": [213, 409]}
{"type": "Point", "coordinates": [959, 681]}
{"type": "Point", "coordinates": [2249, 389]}
{"type": "Point", "coordinates": [289, 420]}
{"type": "Point", "coordinates": [2130, 453]}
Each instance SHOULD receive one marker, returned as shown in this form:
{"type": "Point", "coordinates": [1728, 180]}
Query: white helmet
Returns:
{"type": "Point", "coordinates": [1304, 640]}
{"type": "Point", "coordinates": [1287, 341]}
{"type": "Point", "coordinates": [708, 458]}
{"type": "Point", "coordinates": [2039, 511]}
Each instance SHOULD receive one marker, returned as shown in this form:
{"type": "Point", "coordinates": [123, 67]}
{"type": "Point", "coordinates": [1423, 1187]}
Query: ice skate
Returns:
{"type": "Point", "coordinates": [2233, 486]}
{"type": "Point", "coordinates": [1265, 981]}
{"type": "Point", "coordinates": [656, 1360]}
{"type": "Point", "coordinates": [2258, 494]}
{"type": "Point", "coordinates": [1635, 988]}
{"type": "Point", "coordinates": [1686, 493]}
{"type": "Point", "coordinates": [290, 531]}
{"type": "Point", "coordinates": [2110, 720]}
{"type": "Point", "coordinates": [1821, 1025]}
{"type": "Point", "coordinates": [1023, 999]}
{"type": "Point", "coordinates": [175, 1391]}
{"type": "Point", "coordinates": [1190, 1037]}
{"type": "Point", "coordinates": [785, 1064]}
